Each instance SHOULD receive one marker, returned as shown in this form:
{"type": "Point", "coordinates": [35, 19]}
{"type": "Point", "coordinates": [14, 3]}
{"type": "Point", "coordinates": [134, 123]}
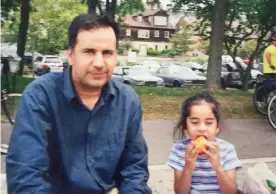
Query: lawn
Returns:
{"type": "Point", "coordinates": [165, 103]}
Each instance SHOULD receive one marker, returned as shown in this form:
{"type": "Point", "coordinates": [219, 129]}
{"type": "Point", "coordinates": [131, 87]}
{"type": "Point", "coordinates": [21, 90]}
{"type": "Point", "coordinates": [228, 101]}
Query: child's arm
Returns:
{"type": "Point", "coordinates": [182, 179]}
{"type": "Point", "coordinates": [226, 180]}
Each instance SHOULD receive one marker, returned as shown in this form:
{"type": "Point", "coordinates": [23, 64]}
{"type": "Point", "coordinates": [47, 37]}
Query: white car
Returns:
{"type": "Point", "coordinates": [53, 62]}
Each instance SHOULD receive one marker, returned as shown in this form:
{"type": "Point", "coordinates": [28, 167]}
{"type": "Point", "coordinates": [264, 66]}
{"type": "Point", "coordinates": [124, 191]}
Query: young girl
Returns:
{"type": "Point", "coordinates": [214, 170]}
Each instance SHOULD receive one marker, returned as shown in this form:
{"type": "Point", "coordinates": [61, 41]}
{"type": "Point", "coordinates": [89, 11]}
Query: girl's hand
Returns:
{"type": "Point", "coordinates": [213, 154]}
{"type": "Point", "coordinates": [191, 154]}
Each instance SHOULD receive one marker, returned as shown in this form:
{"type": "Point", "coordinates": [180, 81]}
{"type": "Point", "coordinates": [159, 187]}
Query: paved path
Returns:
{"type": "Point", "coordinates": [252, 138]}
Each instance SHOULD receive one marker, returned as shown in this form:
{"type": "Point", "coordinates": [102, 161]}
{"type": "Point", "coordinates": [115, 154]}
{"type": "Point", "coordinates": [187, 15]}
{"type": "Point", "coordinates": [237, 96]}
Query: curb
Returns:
{"type": "Point", "coordinates": [244, 161]}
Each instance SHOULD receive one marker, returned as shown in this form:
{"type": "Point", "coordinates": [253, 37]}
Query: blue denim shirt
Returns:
{"type": "Point", "coordinates": [59, 146]}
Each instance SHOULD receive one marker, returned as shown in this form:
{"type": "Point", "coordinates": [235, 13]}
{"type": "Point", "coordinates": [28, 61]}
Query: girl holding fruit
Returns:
{"type": "Point", "coordinates": [202, 163]}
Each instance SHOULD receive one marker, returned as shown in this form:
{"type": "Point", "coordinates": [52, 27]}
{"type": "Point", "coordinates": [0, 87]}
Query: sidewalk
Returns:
{"type": "Point", "coordinates": [161, 176]}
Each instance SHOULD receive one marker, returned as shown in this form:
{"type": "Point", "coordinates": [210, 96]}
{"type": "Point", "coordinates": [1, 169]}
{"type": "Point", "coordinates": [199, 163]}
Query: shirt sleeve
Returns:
{"type": "Point", "coordinates": [177, 157]}
{"type": "Point", "coordinates": [231, 161]}
{"type": "Point", "coordinates": [133, 166]}
{"type": "Point", "coordinates": [27, 160]}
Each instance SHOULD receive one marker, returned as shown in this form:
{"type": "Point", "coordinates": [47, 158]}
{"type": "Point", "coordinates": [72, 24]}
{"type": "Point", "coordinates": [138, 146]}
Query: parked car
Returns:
{"type": "Point", "coordinates": [120, 72]}
{"type": "Point", "coordinates": [139, 76]}
{"type": "Point", "coordinates": [53, 62]}
{"type": "Point", "coordinates": [152, 66]}
{"type": "Point", "coordinates": [65, 64]}
{"type": "Point", "coordinates": [230, 76]}
{"type": "Point", "coordinates": [177, 76]}
{"type": "Point", "coordinates": [193, 65]}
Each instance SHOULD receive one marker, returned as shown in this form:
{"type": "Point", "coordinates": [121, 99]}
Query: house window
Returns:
{"type": "Point", "coordinates": [143, 33]}
{"type": "Point", "coordinates": [160, 20]}
{"type": "Point", "coordinates": [156, 47]}
{"type": "Point", "coordinates": [156, 33]}
{"type": "Point", "coordinates": [139, 18]}
{"type": "Point", "coordinates": [128, 32]}
{"type": "Point", "coordinates": [167, 34]}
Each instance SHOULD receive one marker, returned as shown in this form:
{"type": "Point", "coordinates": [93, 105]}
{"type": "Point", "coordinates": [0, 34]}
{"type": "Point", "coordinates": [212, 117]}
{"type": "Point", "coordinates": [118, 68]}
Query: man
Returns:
{"type": "Point", "coordinates": [269, 60]}
{"type": "Point", "coordinates": [78, 131]}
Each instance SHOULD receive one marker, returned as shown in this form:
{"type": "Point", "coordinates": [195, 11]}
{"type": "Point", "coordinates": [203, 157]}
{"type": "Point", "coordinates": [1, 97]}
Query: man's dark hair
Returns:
{"type": "Point", "coordinates": [88, 22]}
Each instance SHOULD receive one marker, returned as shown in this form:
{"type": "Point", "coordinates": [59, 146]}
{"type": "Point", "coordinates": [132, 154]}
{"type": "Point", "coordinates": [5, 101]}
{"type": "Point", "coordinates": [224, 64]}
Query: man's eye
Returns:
{"type": "Point", "coordinates": [195, 123]}
{"type": "Point", "coordinates": [209, 123]}
{"type": "Point", "coordinates": [107, 52]}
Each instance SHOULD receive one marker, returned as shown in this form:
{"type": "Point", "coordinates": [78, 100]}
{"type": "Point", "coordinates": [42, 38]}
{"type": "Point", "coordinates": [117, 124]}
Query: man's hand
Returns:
{"type": "Point", "coordinates": [191, 154]}
{"type": "Point", "coordinates": [213, 154]}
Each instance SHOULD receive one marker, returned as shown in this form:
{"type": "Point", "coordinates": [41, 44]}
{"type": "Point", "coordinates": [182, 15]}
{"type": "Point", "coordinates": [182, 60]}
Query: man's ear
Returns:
{"type": "Point", "coordinates": [70, 56]}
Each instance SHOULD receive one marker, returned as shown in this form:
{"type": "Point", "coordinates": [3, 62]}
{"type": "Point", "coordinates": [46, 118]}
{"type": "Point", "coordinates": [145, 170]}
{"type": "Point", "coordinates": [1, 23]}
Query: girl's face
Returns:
{"type": "Point", "coordinates": [202, 122]}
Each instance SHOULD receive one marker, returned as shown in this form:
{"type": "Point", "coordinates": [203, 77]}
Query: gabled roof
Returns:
{"type": "Point", "coordinates": [130, 21]}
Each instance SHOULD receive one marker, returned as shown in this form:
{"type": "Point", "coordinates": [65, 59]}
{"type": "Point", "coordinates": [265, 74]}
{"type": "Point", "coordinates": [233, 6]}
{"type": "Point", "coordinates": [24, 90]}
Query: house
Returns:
{"type": "Point", "coordinates": [149, 29]}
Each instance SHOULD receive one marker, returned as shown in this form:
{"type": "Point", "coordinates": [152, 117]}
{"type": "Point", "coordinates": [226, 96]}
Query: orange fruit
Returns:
{"type": "Point", "coordinates": [200, 143]}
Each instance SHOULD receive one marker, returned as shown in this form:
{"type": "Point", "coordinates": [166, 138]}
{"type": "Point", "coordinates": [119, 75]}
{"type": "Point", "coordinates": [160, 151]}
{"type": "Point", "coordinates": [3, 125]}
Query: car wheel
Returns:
{"type": "Point", "coordinates": [176, 84]}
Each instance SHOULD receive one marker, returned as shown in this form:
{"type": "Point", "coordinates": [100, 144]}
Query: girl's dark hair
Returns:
{"type": "Point", "coordinates": [179, 130]}
{"type": "Point", "coordinates": [88, 22]}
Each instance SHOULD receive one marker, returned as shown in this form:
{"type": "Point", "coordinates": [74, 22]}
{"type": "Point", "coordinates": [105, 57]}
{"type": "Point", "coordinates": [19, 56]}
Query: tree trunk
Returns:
{"type": "Point", "coordinates": [113, 8]}
{"type": "Point", "coordinates": [92, 5]}
{"type": "Point", "coordinates": [216, 44]}
{"type": "Point", "coordinates": [107, 6]}
{"type": "Point", "coordinates": [23, 32]}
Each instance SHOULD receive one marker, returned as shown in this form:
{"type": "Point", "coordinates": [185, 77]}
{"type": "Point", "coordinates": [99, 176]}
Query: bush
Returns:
{"type": "Point", "coordinates": [197, 60]}
{"type": "Point", "coordinates": [172, 52]}
{"type": "Point", "coordinates": [151, 52]}
{"type": "Point", "coordinates": [135, 50]}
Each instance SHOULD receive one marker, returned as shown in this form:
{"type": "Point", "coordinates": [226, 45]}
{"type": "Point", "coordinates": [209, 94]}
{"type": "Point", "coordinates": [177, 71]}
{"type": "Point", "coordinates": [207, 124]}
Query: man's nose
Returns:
{"type": "Point", "coordinates": [98, 60]}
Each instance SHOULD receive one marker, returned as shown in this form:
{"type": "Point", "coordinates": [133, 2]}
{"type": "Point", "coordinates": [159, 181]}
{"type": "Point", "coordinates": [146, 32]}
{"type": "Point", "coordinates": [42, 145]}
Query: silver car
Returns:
{"type": "Point", "coordinates": [137, 76]}
{"type": "Point", "coordinates": [177, 76]}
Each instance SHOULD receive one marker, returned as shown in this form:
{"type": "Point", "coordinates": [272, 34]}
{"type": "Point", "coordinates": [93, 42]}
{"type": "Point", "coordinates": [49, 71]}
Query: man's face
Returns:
{"type": "Point", "coordinates": [274, 43]}
{"type": "Point", "coordinates": [94, 57]}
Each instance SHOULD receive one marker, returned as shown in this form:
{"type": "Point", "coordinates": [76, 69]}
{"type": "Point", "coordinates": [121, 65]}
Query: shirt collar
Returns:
{"type": "Point", "coordinates": [70, 93]}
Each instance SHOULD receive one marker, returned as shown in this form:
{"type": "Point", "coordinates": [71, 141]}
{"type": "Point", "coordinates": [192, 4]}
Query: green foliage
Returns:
{"type": "Point", "coordinates": [204, 46]}
{"type": "Point", "coordinates": [48, 27]}
{"type": "Point", "coordinates": [8, 7]}
{"type": "Point", "coordinates": [130, 7]}
{"type": "Point", "coordinates": [182, 40]}
{"type": "Point", "coordinates": [248, 48]}
{"type": "Point", "coordinates": [124, 46]}
{"type": "Point", "coordinates": [172, 52]}
{"type": "Point", "coordinates": [151, 52]}
{"type": "Point", "coordinates": [197, 60]}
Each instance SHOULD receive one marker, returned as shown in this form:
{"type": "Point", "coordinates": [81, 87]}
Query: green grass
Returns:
{"type": "Point", "coordinates": [165, 103]}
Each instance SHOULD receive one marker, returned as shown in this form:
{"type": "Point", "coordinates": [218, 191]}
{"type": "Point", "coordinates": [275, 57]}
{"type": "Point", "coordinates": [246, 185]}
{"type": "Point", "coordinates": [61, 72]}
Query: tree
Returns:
{"type": "Point", "coordinates": [7, 7]}
{"type": "Point", "coordinates": [23, 31]}
{"type": "Point", "coordinates": [248, 48]}
{"type": "Point", "coordinates": [48, 25]}
{"type": "Point", "coordinates": [182, 40]}
{"type": "Point", "coordinates": [245, 20]}
{"type": "Point", "coordinates": [254, 20]}
{"type": "Point", "coordinates": [214, 13]}
{"type": "Point", "coordinates": [204, 46]}
{"type": "Point", "coordinates": [111, 7]}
